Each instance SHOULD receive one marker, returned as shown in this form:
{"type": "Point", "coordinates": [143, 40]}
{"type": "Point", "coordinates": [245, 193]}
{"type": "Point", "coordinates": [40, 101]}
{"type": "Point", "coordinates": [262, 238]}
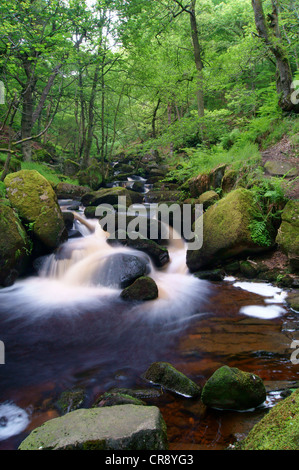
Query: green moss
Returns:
{"type": "Point", "coordinates": [231, 388]}
{"type": "Point", "coordinates": [14, 245]}
{"type": "Point", "coordinates": [36, 203]}
{"type": "Point", "coordinates": [144, 288]}
{"type": "Point", "coordinates": [163, 373]}
{"type": "Point", "coordinates": [278, 430]}
{"type": "Point", "coordinates": [226, 230]}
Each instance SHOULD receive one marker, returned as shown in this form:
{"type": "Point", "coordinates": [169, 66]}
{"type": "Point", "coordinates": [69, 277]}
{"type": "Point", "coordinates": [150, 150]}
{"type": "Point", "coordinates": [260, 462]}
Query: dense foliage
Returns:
{"type": "Point", "coordinates": [197, 81]}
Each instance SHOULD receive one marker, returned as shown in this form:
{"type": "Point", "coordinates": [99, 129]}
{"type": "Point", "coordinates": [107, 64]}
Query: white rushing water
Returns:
{"type": "Point", "coordinates": [13, 420]}
{"type": "Point", "coordinates": [76, 279]}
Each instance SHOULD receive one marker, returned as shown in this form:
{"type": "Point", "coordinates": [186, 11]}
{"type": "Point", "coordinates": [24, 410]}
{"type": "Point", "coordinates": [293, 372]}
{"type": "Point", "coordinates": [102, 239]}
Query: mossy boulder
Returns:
{"type": "Point", "coordinates": [206, 181]}
{"type": "Point", "coordinates": [116, 399]}
{"type": "Point", "coordinates": [164, 374]}
{"type": "Point", "coordinates": [144, 288]}
{"type": "Point", "coordinates": [278, 430]}
{"type": "Point", "coordinates": [208, 198]}
{"type": "Point", "coordinates": [288, 233]}
{"type": "Point", "coordinates": [36, 204]}
{"type": "Point", "coordinates": [70, 191]}
{"type": "Point", "coordinates": [14, 245]}
{"type": "Point", "coordinates": [123, 427]}
{"type": "Point", "coordinates": [277, 168]}
{"type": "Point", "coordinates": [231, 388]}
{"type": "Point", "coordinates": [91, 177]}
{"type": "Point", "coordinates": [110, 196]}
{"type": "Point", "coordinates": [293, 300]}
{"type": "Point", "coordinates": [227, 231]}
{"type": "Point", "coordinates": [71, 168]}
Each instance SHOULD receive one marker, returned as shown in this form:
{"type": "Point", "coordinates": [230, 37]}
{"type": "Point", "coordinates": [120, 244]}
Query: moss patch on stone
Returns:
{"type": "Point", "coordinates": [14, 244]}
{"type": "Point", "coordinates": [278, 430]}
{"type": "Point", "coordinates": [226, 231]}
{"type": "Point", "coordinates": [231, 388]}
{"type": "Point", "coordinates": [35, 201]}
{"type": "Point", "coordinates": [164, 374]}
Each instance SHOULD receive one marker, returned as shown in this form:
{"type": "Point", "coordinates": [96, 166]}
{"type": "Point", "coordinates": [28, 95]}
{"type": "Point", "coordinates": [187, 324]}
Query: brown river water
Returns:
{"type": "Point", "coordinates": [62, 330]}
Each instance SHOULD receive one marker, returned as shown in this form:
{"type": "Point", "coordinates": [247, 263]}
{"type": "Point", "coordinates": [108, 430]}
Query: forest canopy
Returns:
{"type": "Point", "coordinates": [91, 79]}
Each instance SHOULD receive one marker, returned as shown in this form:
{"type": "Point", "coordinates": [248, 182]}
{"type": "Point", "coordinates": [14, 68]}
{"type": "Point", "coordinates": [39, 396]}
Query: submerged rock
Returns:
{"type": "Point", "coordinates": [231, 388]}
{"type": "Point", "coordinates": [36, 203]}
{"type": "Point", "coordinates": [227, 231]}
{"type": "Point", "coordinates": [14, 245]}
{"type": "Point", "coordinates": [70, 400]}
{"type": "Point", "coordinates": [159, 254]}
{"type": "Point", "coordinates": [116, 399]}
{"type": "Point", "coordinates": [123, 427]}
{"type": "Point", "coordinates": [121, 270]}
{"type": "Point", "coordinates": [144, 288]}
{"type": "Point", "coordinates": [164, 374]}
{"type": "Point", "coordinates": [278, 430]}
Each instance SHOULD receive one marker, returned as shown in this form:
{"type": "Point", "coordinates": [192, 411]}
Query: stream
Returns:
{"type": "Point", "coordinates": [67, 327]}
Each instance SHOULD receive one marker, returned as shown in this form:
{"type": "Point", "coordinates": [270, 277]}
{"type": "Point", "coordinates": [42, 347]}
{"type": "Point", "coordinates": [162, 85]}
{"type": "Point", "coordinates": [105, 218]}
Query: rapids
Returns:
{"type": "Point", "coordinates": [63, 328]}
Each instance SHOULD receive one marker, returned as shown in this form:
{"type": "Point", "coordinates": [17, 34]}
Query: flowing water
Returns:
{"type": "Point", "coordinates": [67, 327]}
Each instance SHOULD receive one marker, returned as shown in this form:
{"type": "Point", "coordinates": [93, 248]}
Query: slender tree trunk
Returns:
{"type": "Point", "coordinates": [26, 123]}
{"type": "Point", "coordinates": [197, 59]}
{"type": "Point", "coordinates": [83, 125]}
{"type": "Point", "coordinates": [89, 137]}
{"type": "Point", "coordinates": [270, 33]}
{"type": "Point", "coordinates": [169, 110]}
{"type": "Point", "coordinates": [103, 120]}
{"type": "Point", "coordinates": [154, 133]}
{"type": "Point", "coordinates": [45, 93]}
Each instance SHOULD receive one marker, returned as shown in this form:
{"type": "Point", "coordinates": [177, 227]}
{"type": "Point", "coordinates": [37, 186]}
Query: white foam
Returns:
{"type": "Point", "coordinates": [263, 312]}
{"type": "Point", "coordinates": [13, 420]}
{"type": "Point", "coordinates": [273, 294]}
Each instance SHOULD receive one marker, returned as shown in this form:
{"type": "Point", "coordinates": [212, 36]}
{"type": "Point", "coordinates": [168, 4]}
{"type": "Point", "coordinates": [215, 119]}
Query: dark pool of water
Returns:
{"type": "Point", "coordinates": [111, 347]}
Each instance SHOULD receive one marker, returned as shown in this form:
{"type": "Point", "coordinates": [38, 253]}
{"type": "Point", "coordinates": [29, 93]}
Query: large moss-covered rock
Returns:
{"type": "Point", "coordinates": [14, 245]}
{"type": "Point", "coordinates": [278, 430]}
{"type": "Point", "coordinates": [164, 374]}
{"type": "Point", "coordinates": [288, 233]}
{"type": "Point", "coordinates": [123, 427]}
{"type": "Point", "coordinates": [36, 203]}
{"type": "Point", "coordinates": [231, 388]}
{"type": "Point", "coordinates": [144, 288]}
{"type": "Point", "coordinates": [227, 231]}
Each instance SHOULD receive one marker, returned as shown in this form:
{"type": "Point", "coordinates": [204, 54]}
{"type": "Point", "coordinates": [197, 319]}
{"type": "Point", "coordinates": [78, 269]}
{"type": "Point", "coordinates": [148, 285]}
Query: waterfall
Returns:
{"type": "Point", "coordinates": [81, 275]}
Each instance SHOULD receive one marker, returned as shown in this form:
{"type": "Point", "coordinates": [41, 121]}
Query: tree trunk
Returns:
{"type": "Point", "coordinates": [270, 33]}
{"type": "Point", "coordinates": [90, 124]}
{"type": "Point", "coordinates": [197, 59]}
{"type": "Point", "coordinates": [26, 124]}
{"type": "Point", "coordinates": [154, 132]}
